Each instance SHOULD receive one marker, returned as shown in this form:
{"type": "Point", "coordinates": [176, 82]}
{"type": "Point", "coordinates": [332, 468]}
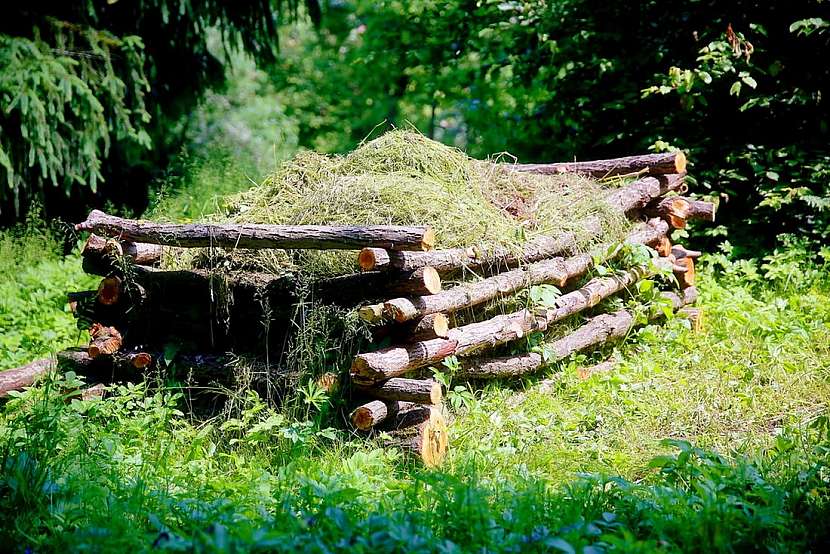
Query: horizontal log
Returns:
{"type": "Point", "coordinates": [249, 235]}
{"type": "Point", "coordinates": [104, 341]}
{"type": "Point", "coordinates": [558, 271]}
{"type": "Point", "coordinates": [373, 413]}
{"type": "Point", "coordinates": [422, 391]}
{"type": "Point", "coordinates": [626, 199]}
{"type": "Point", "coordinates": [102, 251]}
{"type": "Point", "coordinates": [424, 280]}
{"type": "Point", "coordinates": [677, 210]}
{"type": "Point", "coordinates": [597, 330]}
{"type": "Point", "coordinates": [467, 339]}
{"type": "Point", "coordinates": [19, 378]}
{"type": "Point", "coordinates": [679, 252]}
{"type": "Point", "coordinates": [654, 164]}
{"type": "Point", "coordinates": [430, 326]}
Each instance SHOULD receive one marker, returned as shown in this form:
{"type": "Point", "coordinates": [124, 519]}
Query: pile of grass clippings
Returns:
{"type": "Point", "coordinates": [404, 178]}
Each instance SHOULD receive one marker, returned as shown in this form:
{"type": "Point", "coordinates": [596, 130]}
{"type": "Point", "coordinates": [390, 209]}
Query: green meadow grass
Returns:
{"type": "Point", "coordinates": [624, 460]}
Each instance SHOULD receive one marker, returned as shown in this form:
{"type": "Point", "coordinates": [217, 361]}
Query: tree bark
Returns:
{"type": "Point", "coordinates": [597, 330]}
{"type": "Point", "coordinates": [373, 413]}
{"type": "Point", "coordinates": [555, 270]}
{"type": "Point", "coordinates": [249, 235]}
{"type": "Point", "coordinates": [677, 210]}
{"type": "Point", "coordinates": [654, 164]}
{"type": "Point", "coordinates": [424, 280]}
{"type": "Point", "coordinates": [467, 339]}
{"type": "Point", "coordinates": [102, 251]}
{"type": "Point", "coordinates": [430, 326]}
{"type": "Point", "coordinates": [422, 391]}
{"type": "Point", "coordinates": [679, 252]}
{"type": "Point", "coordinates": [19, 378]}
{"type": "Point", "coordinates": [372, 367]}
{"type": "Point", "coordinates": [629, 198]}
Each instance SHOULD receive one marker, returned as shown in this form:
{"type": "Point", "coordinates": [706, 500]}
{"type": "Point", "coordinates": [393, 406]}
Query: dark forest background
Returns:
{"type": "Point", "coordinates": [98, 98]}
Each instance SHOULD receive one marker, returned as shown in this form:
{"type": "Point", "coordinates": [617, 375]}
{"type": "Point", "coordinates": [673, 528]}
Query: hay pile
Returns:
{"type": "Point", "coordinates": [404, 178]}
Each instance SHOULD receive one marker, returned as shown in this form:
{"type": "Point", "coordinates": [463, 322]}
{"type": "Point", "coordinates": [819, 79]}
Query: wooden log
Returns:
{"type": "Point", "coordinates": [249, 235]}
{"type": "Point", "coordinates": [424, 280]}
{"type": "Point", "coordinates": [679, 252]}
{"type": "Point", "coordinates": [19, 378]}
{"type": "Point", "coordinates": [373, 413]}
{"type": "Point", "coordinates": [102, 250]}
{"type": "Point", "coordinates": [654, 164]}
{"type": "Point", "coordinates": [686, 278]}
{"type": "Point", "coordinates": [373, 313]}
{"type": "Point", "coordinates": [555, 270]}
{"type": "Point", "coordinates": [421, 432]}
{"type": "Point", "coordinates": [430, 326]}
{"type": "Point", "coordinates": [467, 339]}
{"type": "Point", "coordinates": [664, 246]}
{"type": "Point", "coordinates": [597, 330]}
{"type": "Point", "coordinates": [372, 367]}
{"type": "Point", "coordinates": [373, 259]}
{"type": "Point", "coordinates": [627, 199]}
{"type": "Point", "coordinates": [421, 391]}
{"type": "Point", "coordinates": [603, 367]}
{"type": "Point", "coordinates": [105, 340]}
{"type": "Point", "coordinates": [677, 210]}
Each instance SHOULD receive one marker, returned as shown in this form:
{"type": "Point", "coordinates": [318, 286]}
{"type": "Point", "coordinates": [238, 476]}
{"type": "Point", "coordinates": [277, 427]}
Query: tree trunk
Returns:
{"type": "Point", "coordinates": [249, 235]}
{"type": "Point", "coordinates": [422, 391]}
{"type": "Point", "coordinates": [631, 197]}
{"type": "Point", "coordinates": [597, 330]}
{"type": "Point", "coordinates": [430, 326]}
{"type": "Point", "coordinates": [654, 164]}
{"type": "Point", "coordinates": [555, 270]}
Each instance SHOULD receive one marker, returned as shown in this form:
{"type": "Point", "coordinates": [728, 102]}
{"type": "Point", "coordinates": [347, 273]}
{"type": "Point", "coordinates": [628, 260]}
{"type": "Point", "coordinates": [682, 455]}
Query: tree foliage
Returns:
{"type": "Point", "coordinates": [738, 86]}
{"type": "Point", "coordinates": [93, 90]}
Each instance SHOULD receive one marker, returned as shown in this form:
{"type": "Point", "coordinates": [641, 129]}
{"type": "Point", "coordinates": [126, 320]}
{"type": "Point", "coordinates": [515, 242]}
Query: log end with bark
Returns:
{"type": "Point", "coordinates": [421, 432]}
{"type": "Point", "coordinates": [105, 340]}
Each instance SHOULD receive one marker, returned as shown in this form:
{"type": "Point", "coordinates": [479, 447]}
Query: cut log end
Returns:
{"type": "Point", "coordinates": [664, 246]}
{"type": "Point", "coordinates": [105, 341]}
{"type": "Point", "coordinates": [109, 291]}
{"type": "Point", "coordinates": [686, 278]}
{"type": "Point", "coordinates": [428, 242]}
{"type": "Point", "coordinates": [680, 163]}
{"type": "Point", "coordinates": [141, 360]}
{"type": "Point", "coordinates": [373, 259]}
{"type": "Point", "coordinates": [432, 281]}
{"type": "Point", "coordinates": [368, 415]}
{"type": "Point", "coordinates": [432, 443]}
{"type": "Point", "coordinates": [371, 314]}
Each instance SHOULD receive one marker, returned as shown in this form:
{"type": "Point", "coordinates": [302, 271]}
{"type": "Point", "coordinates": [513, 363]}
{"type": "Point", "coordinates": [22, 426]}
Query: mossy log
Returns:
{"type": "Point", "coordinates": [467, 339]}
{"type": "Point", "coordinates": [627, 199]}
{"type": "Point", "coordinates": [654, 164]}
{"type": "Point", "coordinates": [596, 331]}
{"type": "Point", "coordinates": [249, 235]}
{"type": "Point", "coordinates": [422, 391]}
{"type": "Point", "coordinates": [558, 271]}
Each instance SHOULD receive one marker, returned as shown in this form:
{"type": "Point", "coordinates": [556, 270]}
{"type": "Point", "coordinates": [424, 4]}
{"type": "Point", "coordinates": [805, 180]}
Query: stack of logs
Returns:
{"type": "Point", "coordinates": [139, 308]}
